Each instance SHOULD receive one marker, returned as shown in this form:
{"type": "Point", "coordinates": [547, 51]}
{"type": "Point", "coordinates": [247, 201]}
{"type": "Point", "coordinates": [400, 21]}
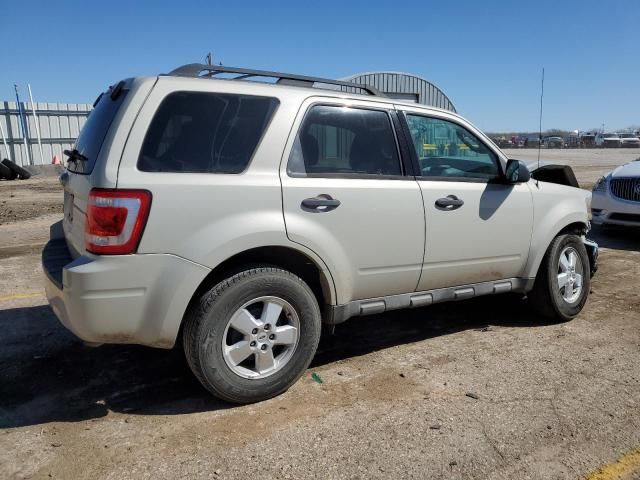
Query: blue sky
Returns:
{"type": "Point", "coordinates": [485, 55]}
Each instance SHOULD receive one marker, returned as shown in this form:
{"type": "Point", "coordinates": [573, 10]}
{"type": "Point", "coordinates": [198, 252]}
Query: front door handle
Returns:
{"type": "Point", "coordinates": [321, 203]}
{"type": "Point", "coordinates": [450, 202]}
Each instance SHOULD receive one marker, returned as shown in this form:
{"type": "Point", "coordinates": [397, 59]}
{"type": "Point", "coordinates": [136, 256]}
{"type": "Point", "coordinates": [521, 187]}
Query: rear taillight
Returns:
{"type": "Point", "coordinates": [116, 220]}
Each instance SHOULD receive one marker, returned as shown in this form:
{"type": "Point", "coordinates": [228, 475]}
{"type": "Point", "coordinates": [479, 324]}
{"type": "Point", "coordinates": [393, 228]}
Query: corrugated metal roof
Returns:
{"type": "Point", "coordinates": [405, 84]}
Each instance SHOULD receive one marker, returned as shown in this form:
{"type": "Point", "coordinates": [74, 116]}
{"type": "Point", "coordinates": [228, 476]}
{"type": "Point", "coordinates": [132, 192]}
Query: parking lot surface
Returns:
{"type": "Point", "coordinates": [588, 164]}
{"type": "Point", "coordinates": [476, 389]}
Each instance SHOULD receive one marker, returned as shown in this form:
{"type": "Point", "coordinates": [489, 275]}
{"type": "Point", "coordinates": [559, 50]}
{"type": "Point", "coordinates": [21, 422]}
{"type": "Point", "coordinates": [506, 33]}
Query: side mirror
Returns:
{"type": "Point", "coordinates": [517, 172]}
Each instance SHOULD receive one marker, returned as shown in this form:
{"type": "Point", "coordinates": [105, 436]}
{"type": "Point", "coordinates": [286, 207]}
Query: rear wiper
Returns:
{"type": "Point", "coordinates": [74, 155]}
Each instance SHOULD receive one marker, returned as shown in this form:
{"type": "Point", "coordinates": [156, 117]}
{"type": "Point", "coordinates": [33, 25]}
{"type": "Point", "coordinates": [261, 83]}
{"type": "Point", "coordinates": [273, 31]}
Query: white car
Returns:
{"type": "Point", "coordinates": [616, 197]}
{"type": "Point", "coordinates": [236, 217]}
{"type": "Point", "coordinates": [610, 140]}
{"type": "Point", "coordinates": [629, 140]}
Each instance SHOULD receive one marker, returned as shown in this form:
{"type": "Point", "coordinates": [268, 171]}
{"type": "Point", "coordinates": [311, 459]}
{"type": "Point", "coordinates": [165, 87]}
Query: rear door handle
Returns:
{"type": "Point", "coordinates": [450, 202]}
{"type": "Point", "coordinates": [321, 203]}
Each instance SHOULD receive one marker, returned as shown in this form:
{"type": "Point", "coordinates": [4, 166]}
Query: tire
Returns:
{"type": "Point", "coordinates": [210, 329]}
{"type": "Point", "coordinates": [548, 297]}
{"type": "Point", "coordinates": [17, 169]}
{"type": "Point", "coordinates": [9, 173]}
{"type": "Point", "coordinates": [6, 172]}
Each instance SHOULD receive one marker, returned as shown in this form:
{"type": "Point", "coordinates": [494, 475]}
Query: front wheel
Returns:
{"type": "Point", "coordinates": [563, 281]}
{"type": "Point", "coordinates": [253, 335]}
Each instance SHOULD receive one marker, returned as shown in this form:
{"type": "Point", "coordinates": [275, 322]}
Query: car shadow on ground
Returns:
{"type": "Point", "coordinates": [617, 238]}
{"type": "Point", "coordinates": [47, 375]}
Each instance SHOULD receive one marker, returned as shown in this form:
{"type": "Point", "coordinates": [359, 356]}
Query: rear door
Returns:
{"type": "Point", "coordinates": [78, 180]}
{"type": "Point", "coordinates": [346, 197]}
{"type": "Point", "coordinates": [478, 228]}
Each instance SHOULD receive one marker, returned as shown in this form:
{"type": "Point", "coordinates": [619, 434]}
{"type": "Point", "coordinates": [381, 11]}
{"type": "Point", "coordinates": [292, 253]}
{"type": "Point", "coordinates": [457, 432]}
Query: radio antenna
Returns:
{"type": "Point", "coordinates": [540, 125]}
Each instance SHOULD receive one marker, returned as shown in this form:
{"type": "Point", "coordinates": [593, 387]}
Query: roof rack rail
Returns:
{"type": "Point", "coordinates": [197, 70]}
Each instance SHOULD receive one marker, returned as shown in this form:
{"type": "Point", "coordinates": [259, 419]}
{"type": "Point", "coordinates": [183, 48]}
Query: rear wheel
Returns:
{"type": "Point", "coordinates": [253, 335]}
{"type": "Point", "coordinates": [563, 281]}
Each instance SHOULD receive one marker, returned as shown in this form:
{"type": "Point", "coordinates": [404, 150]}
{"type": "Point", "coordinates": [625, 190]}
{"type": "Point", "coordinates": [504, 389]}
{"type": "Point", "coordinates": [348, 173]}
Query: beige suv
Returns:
{"type": "Point", "coordinates": [236, 217]}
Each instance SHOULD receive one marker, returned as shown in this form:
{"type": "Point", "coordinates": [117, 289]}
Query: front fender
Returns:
{"type": "Point", "coordinates": [554, 208]}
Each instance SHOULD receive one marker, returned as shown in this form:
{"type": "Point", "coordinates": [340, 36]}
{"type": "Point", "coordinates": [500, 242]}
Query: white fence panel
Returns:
{"type": "Point", "coordinates": [60, 125]}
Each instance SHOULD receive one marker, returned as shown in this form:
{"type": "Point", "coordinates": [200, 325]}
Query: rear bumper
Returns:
{"type": "Point", "coordinates": [138, 299]}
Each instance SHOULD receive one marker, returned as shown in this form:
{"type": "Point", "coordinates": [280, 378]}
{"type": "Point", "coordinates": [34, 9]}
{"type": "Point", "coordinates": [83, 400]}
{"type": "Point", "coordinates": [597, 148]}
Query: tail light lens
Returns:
{"type": "Point", "coordinates": [116, 220]}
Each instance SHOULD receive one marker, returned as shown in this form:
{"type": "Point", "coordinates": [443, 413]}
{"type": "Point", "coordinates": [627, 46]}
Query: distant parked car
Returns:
{"type": "Point", "coordinates": [616, 197]}
{"type": "Point", "coordinates": [554, 142]}
{"type": "Point", "coordinates": [571, 141]}
{"type": "Point", "coordinates": [629, 140]}
{"type": "Point", "coordinates": [587, 139]}
{"type": "Point", "coordinates": [608, 140]}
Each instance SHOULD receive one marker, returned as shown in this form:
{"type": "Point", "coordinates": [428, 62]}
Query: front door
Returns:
{"type": "Point", "coordinates": [478, 228]}
{"type": "Point", "coordinates": [345, 196]}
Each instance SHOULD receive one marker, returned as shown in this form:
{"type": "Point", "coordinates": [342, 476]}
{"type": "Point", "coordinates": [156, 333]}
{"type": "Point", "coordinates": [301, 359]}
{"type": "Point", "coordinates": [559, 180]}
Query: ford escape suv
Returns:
{"type": "Point", "coordinates": [235, 217]}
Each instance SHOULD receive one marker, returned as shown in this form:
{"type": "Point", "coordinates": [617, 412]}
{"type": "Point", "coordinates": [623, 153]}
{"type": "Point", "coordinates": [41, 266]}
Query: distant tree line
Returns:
{"type": "Point", "coordinates": [557, 132]}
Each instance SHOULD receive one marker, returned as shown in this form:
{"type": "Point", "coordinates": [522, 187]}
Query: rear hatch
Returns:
{"type": "Point", "coordinates": [78, 180]}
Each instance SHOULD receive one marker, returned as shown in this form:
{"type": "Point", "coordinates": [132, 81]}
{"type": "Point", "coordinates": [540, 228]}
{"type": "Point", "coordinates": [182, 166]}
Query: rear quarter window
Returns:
{"type": "Point", "coordinates": [199, 132]}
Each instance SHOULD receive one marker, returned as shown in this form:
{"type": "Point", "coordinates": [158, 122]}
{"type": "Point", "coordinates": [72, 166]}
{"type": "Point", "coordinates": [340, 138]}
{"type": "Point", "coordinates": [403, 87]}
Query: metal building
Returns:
{"type": "Point", "coordinates": [406, 87]}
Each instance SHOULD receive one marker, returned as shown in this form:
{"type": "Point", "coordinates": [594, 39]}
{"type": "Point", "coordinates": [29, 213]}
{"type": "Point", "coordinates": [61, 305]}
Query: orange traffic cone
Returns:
{"type": "Point", "coordinates": [56, 160]}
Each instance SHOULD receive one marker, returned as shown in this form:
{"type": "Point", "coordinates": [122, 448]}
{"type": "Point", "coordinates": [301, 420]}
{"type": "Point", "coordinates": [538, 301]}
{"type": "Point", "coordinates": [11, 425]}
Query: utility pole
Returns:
{"type": "Point", "coordinates": [4, 141]}
{"type": "Point", "coordinates": [35, 119]}
{"type": "Point", "coordinates": [23, 124]}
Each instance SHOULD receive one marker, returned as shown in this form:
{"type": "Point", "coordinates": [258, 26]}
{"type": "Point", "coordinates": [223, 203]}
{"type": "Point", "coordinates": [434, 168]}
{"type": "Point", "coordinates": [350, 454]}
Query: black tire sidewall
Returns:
{"type": "Point", "coordinates": [6, 172]}
{"type": "Point", "coordinates": [9, 173]}
{"type": "Point", "coordinates": [20, 172]}
{"type": "Point", "coordinates": [563, 309]}
{"type": "Point", "coordinates": [214, 372]}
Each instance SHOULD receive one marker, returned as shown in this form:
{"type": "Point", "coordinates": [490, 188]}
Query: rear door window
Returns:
{"type": "Point", "coordinates": [345, 142]}
{"type": "Point", "coordinates": [94, 131]}
{"type": "Point", "coordinates": [200, 132]}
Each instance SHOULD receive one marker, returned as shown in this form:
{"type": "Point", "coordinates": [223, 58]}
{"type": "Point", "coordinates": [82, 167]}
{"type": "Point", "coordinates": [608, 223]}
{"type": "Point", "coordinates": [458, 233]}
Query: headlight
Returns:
{"type": "Point", "coordinates": [601, 185]}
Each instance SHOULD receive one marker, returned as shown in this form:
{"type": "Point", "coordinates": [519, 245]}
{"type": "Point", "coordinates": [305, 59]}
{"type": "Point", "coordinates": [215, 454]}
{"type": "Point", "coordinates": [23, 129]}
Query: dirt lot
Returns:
{"type": "Point", "coordinates": [475, 389]}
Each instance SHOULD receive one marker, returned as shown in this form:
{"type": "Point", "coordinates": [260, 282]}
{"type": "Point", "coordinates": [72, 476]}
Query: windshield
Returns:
{"type": "Point", "coordinates": [611, 135]}
{"type": "Point", "coordinates": [627, 135]}
{"type": "Point", "coordinates": [93, 133]}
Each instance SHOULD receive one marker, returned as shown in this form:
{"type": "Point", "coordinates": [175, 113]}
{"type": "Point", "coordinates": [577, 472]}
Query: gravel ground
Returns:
{"type": "Point", "coordinates": [21, 200]}
{"type": "Point", "coordinates": [475, 389]}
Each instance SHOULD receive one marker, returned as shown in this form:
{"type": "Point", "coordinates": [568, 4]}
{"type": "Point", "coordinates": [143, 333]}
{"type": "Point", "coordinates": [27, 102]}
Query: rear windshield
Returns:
{"type": "Point", "coordinates": [94, 131]}
{"type": "Point", "coordinates": [199, 132]}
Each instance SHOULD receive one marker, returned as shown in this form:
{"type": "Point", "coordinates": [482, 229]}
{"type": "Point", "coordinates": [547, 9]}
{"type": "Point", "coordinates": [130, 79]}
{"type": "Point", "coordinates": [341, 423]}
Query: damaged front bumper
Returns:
{"type": "Point", "coordinates": [592, 251]}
